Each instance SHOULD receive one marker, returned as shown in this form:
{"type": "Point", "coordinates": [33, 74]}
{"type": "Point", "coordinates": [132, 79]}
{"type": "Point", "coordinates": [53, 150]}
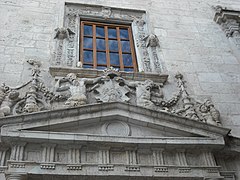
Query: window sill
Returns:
{"type": "Point", "coordinates": [92, 73]}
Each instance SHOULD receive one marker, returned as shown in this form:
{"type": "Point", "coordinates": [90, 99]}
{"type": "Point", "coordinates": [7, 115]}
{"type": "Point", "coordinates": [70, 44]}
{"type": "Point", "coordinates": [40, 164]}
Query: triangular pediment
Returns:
{"type": "Point", "coordinates": [105, 120]}
{"type": "Point", "coordinates": [116, 126]}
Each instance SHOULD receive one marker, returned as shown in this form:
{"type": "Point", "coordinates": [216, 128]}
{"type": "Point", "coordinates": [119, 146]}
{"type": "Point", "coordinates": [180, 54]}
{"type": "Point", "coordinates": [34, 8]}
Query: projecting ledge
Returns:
{"type": "Point", "coordinates": [92, 73]}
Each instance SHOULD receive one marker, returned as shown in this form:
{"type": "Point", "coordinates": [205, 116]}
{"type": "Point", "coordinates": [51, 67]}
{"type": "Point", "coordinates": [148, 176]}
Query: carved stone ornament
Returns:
{"type": "Point", "coordinates": [152, 40]}
{"type": "Point", "coordinates": [77, 88]}
{"type": "Point", "coordinates": [32, 96]}
{"type": "Point", "coordinates": [229, 20]}
{"type": "Point", "coordinates": [63, 33]}
{"type": "Point", "coordinates": [72, 91]}
{"type": "Point", "coordinates": [67, 44]}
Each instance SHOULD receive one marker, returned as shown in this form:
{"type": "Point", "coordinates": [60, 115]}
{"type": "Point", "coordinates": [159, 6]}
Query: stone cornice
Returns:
{"type": "Point", "coordinates": [228, 19]}
{"type": "Point", "coordinates": [92, 73]}
{"type": "Point", "coordinates": [116, 108]}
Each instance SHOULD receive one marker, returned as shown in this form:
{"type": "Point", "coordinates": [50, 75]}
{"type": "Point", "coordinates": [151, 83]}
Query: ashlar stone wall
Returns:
{"type": "Point", "coordinates": [190, 42]}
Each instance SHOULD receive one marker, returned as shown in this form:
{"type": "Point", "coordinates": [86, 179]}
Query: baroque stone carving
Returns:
{"type": "Point", "coordinates": [152, 41]}
{"type": "Point", "coordinates": [77, 88]}
{"type": "Point", "coordinates": [72, 91]}
{"type": "Point", "coordinates": [191, 108]}
{"type": "Point", "coordinates": [112, 90]}
{"type": "Point", "coordinates": [63, 33]}
{"type": "Point", "coordinates": [31, 96]}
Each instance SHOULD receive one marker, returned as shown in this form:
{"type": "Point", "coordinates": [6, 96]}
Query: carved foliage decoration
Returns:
{"type": "Point", "coordinates": [32, 96]}
{"type": "Point", "coordinates": [72, 91]}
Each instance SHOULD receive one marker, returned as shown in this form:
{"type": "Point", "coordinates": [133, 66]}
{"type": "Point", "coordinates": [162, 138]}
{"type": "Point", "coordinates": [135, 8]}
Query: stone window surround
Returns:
{"type": "Point", "coordinates": [67, 50]}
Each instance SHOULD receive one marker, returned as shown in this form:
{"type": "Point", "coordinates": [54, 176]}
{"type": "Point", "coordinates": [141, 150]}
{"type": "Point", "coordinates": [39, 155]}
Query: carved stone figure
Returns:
{"type": "Point", "coordinates": [144, 93]}
{"type": "Point", "coordinates": [209, 113]}
{"type": "Point", "coordinates": [152, 40]}
{"type": "Point", "coordinates": [63, 33]}
{"type": "Point", "coordinates": [77, 88]}
{"type": "Point", "coordinates": [8, 101]}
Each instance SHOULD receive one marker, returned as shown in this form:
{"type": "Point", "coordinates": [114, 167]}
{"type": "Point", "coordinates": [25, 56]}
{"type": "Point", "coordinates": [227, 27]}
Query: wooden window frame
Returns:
{"type": "Point", "coordinates": [107, 51]}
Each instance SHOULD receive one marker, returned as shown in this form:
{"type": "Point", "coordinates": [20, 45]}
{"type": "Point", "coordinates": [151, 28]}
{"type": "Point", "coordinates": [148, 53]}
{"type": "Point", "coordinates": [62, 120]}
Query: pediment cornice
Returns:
{"type": "Point", "coordinates": [116, 110]}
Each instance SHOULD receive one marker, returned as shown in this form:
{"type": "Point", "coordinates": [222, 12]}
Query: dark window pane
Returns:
{"type": "Point", "coordinates": [113, 45]}
{"type": "Point", "coordinates": [101, 44]}
{"type": "Point", "coordinates": [112, 33]}
{"type": "Point", "coordinates": [125, 46]}
{"type": "Point", "coordinates": [100, 32]}
{"type": "Point", "coordinates": [88, 43]}
{"type": "Point", "coordinates": [87, 30]}
{"type": "Point", "coordinates": [127, 60]}
{"type": "Point", "coordinates": [128, 69]}
{"type": "Point", "coordinates": [87, 56]}
{"type": "Point", "coordinates": [101, 58]}
{"type": "Point", "coordinates": [123, 33]}
{"type": "Point", "coordinates": [87, 66]}
{"type": "Point", "coordinates": [114, 59]}
{"type": "Point", "coordinates": [101, 67]}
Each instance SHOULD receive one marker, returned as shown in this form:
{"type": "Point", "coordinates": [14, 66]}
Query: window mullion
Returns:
{"type": "Point", "coordinates": [120, 50]}
{"type": "Point", "coordinates": [107, 46]}
{"type": "Point", "coordinates": [94, 47]}
{"type": "Point", "coordinates": [132, 50]}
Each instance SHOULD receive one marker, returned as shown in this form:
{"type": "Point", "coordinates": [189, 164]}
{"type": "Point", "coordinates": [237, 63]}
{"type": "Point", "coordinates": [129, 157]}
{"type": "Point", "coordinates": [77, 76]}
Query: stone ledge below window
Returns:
{"type": "Point", "coordinates": [92, 73]}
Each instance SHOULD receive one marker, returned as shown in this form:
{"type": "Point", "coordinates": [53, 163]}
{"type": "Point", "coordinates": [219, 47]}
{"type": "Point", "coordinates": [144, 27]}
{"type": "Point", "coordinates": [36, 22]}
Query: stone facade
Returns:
{"type": "Point", "coordinates": [177, 118]}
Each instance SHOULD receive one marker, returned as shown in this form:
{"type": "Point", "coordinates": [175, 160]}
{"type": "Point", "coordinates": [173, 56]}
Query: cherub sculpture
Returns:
{"type": "Point", "coordinates": [63, 33]}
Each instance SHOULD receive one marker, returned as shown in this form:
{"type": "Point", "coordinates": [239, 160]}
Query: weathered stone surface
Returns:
{"type": "Point", "coordinates": [189, 41]}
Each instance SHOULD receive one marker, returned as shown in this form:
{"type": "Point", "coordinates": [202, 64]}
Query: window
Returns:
{"type": "Point", "coordinates": [104, 45]}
